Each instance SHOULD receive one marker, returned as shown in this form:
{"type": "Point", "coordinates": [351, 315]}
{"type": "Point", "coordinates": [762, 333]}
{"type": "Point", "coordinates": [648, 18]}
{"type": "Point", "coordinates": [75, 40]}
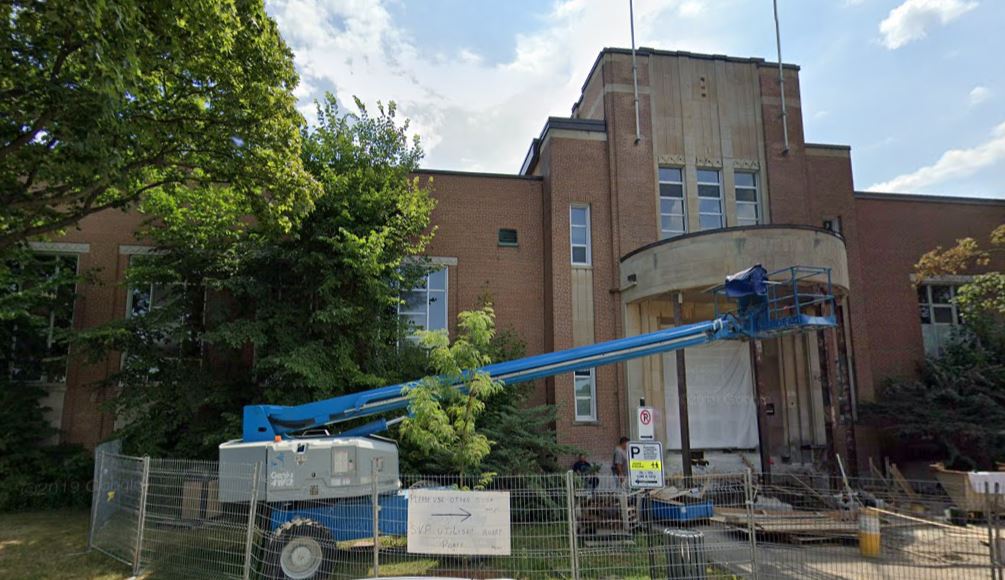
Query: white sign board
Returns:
{"type": "Point", "coordinates": [645, 464]}
{"type": "Point", "coordinates": [646, 419]}
{"type": "Point", "coordinates": [458, 522]}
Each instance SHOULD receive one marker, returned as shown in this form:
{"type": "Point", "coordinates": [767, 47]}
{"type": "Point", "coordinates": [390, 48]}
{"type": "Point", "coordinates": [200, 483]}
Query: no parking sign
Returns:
{"type": "Point", "coordinates": [646, 419]}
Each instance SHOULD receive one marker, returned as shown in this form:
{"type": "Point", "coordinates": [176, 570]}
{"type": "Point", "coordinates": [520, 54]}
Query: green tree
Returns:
{"type": "Point", "coordinates": [109, 101]}
{"type": "Point", "coordinates": [248, 316]}
{"type": "Point", "coordinates": [444, 409]}
{"type": "Point", "coordinates": [955, 408]}
{"type": "Point", "coordinates": [981, 301]}
{"type": "Point", "coordinates": [522, 437]}
{"type": "Point", "coordinates": [34, 326]}
{"type": "Point", "coordinates": [956, 405]}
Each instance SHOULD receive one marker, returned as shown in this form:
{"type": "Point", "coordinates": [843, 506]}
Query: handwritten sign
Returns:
{"type": "Point", "coordinates": [458, 522]}
{"type": "Point", "coordinates": [645, 464]}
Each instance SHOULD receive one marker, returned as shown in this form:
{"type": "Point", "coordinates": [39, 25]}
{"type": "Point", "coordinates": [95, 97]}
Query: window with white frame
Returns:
{"type": "Point", "coordinates": [673, 212]}
{"type": "Point", "coordinates": [38, 351]}
{"type": "Point", "coordinates": [940, 319]}
{"type": "Point", "coordinates": [709, 199]}
{"type": "Point", "coordinates": [748, 206]}
{"type": "Point", "coordinates": [142, 298]}
{"type": "Point", "coordinates": [586, 395]}
{"type": "Point", "coordinates": [424, 307]}
{"type": "Point", "coordinates": [579, 235]}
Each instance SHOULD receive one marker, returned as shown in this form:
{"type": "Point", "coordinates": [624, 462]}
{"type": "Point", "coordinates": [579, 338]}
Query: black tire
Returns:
{"type": "Point", "coordinates": [300, 549]}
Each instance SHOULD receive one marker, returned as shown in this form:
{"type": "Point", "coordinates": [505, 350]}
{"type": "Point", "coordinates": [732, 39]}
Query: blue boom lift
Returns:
{"type": "Point", "coordinates": [318, 486]}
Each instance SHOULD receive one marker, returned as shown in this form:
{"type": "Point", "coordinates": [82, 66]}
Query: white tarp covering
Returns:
{"type": "Point", "coordinates": [720, 399]}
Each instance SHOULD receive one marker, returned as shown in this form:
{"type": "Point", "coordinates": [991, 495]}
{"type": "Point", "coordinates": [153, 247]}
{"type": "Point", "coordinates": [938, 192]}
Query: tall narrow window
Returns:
{"type": "Point", "coordinates": [940, 318]}
{"type": "Point", "coordinates": [39, 348]}
{"type": "Point", "coordinates": [586, 395]}
{"type": "Point", "coordinates": [709, 199]}
{"type": "Point", "coordinates": [425, 306]}
{"type": "Point", "coordinates": [748, 207]}
{"type": "Point", "coordinates": [579, 234]}
{"type": "Point", "coordinates": [176, 336]}
{"type": "Point", "coordinates": [673, 217]}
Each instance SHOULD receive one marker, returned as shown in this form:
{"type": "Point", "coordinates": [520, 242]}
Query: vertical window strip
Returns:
{"type": "Point", "coordinates": [30, 352]}
{"type": "Point", "coordinates": [709, 199]}
{"type": "Point", "coordinates": [579, 235]}
{"type": "Point", "coordinates": [748, 206]}
{"type": "Point", "coordinates": [673, 208]}
{"type": "Point", "coordinates": [585, 395]}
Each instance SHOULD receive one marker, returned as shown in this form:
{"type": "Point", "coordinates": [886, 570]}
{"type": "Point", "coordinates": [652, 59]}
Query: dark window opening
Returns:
{"type": "Point", "coordinates": [507, 237]}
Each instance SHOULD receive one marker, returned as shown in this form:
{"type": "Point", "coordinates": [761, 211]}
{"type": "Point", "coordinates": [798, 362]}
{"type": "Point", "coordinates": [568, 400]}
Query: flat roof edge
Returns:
{"type": "Point", "coordinates": [567, 123]}
{"type": "Point", "coordinates": [459, 173]}
{"type": "Point", "coordinates": [889, 196]}
{"type": "Point", "coordinates": [828, 146]}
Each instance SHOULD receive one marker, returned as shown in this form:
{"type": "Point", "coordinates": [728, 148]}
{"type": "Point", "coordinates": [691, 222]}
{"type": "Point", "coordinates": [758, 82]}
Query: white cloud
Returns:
{"type": "Point", "coordinates": [954, 164]}
{"type": "Point", "coordinates": [978, 95]}
{"type": "Point", "coordinates": [691, 8]}
{"type": "Point", "coordinates": [471, 113]}
{"type": "Point", "coordinates": [911, 20]}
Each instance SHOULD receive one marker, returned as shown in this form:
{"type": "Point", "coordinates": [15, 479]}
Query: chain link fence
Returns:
{"type": "Point", "coordinates": [164, 518]}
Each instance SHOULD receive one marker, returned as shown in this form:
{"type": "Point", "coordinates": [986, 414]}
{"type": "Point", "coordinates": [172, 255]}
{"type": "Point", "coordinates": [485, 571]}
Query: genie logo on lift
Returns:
{"type": "Point", "coordinates": [645, 464]}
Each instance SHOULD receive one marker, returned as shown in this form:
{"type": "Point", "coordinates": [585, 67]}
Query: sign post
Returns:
{"type": "Point", "coordinates": [646, 419]}
{"type": "Point", "coordinates": [645, 464]}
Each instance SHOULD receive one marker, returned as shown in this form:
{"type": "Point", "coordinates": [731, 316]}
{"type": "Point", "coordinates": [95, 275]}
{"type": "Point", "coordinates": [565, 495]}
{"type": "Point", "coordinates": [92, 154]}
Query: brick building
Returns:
{"type": "Point", "coordinates": [619, 210]}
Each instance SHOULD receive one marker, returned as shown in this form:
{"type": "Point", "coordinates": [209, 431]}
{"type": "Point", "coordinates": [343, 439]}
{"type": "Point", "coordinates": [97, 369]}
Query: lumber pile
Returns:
{"type": "Point", "coordinates": [834, 524]}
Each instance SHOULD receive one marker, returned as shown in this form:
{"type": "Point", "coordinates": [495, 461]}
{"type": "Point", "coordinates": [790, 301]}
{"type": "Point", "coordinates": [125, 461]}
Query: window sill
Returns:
{"type": "Point", "coordinates": [502, 245]}
{"type": "Point", "coordinates": [582, 266]}
{"type": "Point", "coordinates": [586, 423]}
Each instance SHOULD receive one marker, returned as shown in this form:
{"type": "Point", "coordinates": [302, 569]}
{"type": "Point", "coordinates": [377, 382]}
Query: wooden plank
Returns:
{"type": "Point", "coordinates": [902, 483]}
{"type": "Point", "coordinates": [213, 499]}
{"type": "Point", "coordinates": [191, 500]}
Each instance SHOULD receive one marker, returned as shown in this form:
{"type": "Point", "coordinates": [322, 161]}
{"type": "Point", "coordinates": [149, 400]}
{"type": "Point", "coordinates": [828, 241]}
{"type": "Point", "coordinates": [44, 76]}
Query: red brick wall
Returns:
{"type": "Point", "coordinates": [893, 234]}
{"type": "Point", "coordinates": [470, 210]}
{"type": "Point", "coordinates": [578, 174]}
{"type": "Point", "coordinates": [83, 422]}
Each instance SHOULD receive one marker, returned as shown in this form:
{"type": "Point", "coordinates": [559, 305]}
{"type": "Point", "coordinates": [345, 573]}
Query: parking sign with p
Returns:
{"type": "Point", "coordinates": [645, 464]}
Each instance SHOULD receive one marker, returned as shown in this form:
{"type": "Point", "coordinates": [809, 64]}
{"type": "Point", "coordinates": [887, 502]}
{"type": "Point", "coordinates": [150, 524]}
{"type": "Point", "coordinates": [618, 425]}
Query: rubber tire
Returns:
{"type": "Point", "coordinates": [299, 527]}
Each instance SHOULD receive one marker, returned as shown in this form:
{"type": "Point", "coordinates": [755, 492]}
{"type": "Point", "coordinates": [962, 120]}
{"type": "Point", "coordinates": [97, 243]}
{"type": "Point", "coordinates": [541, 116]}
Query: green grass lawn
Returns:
{"type": "Point", "coordinates": [52, 545]}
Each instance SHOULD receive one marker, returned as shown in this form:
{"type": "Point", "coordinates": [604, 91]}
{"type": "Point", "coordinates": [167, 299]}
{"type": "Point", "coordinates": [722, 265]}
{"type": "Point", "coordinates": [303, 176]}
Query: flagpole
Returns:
{"type": "Point", "coordinates": [635, 73]}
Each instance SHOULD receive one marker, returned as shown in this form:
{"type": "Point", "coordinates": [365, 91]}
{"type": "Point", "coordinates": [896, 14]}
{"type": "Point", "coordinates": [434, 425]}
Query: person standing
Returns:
{"type": "Point", "coordinates": [619, 466]}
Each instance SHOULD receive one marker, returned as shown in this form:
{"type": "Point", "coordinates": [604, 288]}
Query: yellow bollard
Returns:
{"type": "Point", "coordinates": [868, 532]}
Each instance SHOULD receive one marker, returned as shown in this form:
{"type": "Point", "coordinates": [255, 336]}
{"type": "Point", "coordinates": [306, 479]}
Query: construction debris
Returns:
{"type": "Point", "coordinates": [820, 524]}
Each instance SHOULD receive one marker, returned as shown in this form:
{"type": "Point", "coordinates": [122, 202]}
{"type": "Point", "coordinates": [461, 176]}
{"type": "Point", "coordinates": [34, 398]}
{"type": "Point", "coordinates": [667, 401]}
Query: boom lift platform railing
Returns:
{"type": "Point", "coordinates": [301, 461]}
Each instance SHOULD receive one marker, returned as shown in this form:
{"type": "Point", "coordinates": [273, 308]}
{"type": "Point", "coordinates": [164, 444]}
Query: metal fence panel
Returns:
{"type": "Point", "coordinates": [116, 510]}
{"type": "Point", "coordinates": [561, 526]}
{"type": "Point", "coordinates": [187, 529]}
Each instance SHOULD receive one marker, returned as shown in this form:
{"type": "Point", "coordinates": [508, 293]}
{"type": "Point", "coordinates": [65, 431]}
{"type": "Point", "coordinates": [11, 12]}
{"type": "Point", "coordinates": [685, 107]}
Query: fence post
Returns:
{"type": "Point", "coordinates": [142, 517]}
{"type": "Point", "coordinates": [989, 519]}
{"type": "Point", "coordinates": [249, 538]}
{"type": "Point", "coordinates": [95, 498]}
{"type": "Point", "coordinates": [748, 487]}
{"type": "Point", "coordinates": [995, 532]}
{"type": "Point", "coordinates": [375, 508]}
{"type": "Point", "coordinates": [570, 496]}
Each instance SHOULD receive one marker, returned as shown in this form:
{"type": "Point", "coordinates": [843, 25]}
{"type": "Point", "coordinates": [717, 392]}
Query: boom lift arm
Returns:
{"type": "Point", "coordinates": [766, 307]}
{"type": "Point", "coordinates": [265, 422]}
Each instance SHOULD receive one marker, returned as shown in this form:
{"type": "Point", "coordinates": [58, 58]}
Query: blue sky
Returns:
{"type": "Point", "coordinates": [916, 87]}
